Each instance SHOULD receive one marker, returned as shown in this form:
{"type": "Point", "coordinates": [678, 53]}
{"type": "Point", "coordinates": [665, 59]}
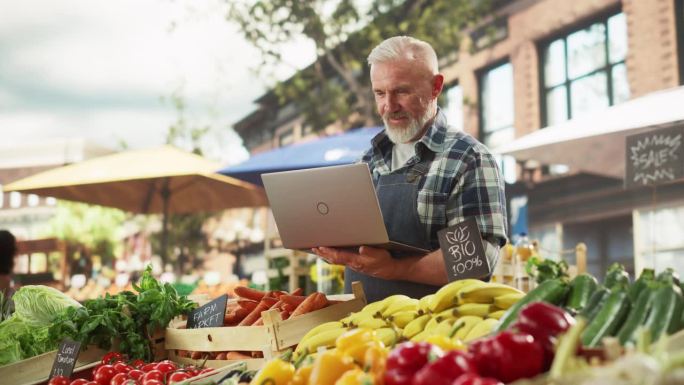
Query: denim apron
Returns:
{"type": "Point", "coordinates": [398, 194]}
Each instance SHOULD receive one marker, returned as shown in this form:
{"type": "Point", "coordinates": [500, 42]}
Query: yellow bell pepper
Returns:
{"type": "Point", "coordinates": [301, 376]}
{"type": "Point", "coordinates": [358, 352]}
{"type": "Point", "coordinates": [329, 366]}
{"type": "Point", "coordinates": [446, 343]}
{"type": "Point", "coordinates": [275, 372]}
{"type": "Point", "coordinates": [354, 338]}
{"type": "Point", "coordinates": [355, 377]}
{"type": "Point", "coordinates": [374, 362]}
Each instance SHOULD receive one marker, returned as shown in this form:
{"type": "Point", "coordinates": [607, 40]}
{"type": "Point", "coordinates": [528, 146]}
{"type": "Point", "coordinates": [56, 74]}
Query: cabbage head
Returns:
{"type": "Point", "coordinates": [37, 305]}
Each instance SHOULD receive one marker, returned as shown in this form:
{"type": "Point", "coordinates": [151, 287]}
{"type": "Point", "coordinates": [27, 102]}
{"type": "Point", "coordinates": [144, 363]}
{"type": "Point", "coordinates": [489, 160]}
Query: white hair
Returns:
{"type": "Point", "coordinates": [406, 48]}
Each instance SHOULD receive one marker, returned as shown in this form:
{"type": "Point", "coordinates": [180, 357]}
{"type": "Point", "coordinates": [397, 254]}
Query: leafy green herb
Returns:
{"type": "Point", "coordinates": [544, 270]}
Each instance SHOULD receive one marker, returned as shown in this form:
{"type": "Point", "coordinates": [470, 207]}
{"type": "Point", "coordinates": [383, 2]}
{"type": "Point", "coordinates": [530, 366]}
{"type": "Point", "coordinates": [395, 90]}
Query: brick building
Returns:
{"type": "Point", "coordinates": [536, 64]}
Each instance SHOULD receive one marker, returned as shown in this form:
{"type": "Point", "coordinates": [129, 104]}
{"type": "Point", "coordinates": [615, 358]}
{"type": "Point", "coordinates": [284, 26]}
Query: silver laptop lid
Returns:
{"type": "Point", "coordinates": [329, 206]}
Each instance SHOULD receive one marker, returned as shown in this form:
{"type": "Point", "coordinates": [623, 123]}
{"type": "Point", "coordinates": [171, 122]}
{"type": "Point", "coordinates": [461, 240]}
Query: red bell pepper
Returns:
{"type": "Point", "coordinates": [475, 379]}
{"type": "Point", "coordinates": [407, 359]}
{"type": "Point", "coordinates": [445, 369]}
{"type": "Point", "coordinates": [508, 356]}
{"type": "Point", "coordinates": [544, 322]}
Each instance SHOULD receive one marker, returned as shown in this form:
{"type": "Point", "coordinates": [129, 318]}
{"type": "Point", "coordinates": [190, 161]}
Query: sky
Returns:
{"type": "Point", "coordinates": [105, 71]}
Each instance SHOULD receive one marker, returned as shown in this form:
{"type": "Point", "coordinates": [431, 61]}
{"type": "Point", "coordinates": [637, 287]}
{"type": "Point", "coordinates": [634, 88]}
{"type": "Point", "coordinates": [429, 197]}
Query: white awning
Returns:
{"type": "Point", "coordinates": [595, 143]}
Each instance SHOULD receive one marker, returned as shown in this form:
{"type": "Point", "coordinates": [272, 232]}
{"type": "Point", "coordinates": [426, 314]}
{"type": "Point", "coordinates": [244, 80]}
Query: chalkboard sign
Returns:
{"type": "Point", "coordinates": [65, 360]}
{"type": "Point", "coordinates": [209, 315]}
{"type": "Point", "coordinates": [654, 157]}
{"type": "Point", "coordinates": [463, 251]}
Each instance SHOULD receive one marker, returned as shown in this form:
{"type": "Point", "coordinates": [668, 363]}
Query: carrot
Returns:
{"type": "Point", "coordinates": [288, 307]}
{"type": "Point", "coordinates": [313, 302]}
{"type": "Point", "coordinates": [234, 317]}
{"type": "Point", "coordinates": [259, 322]}
{"type": "Point", "coordinates": [297, 291]}
{"type": "Point", "coordinates": [285, 314]}
{"type": "Point", "coordinates": [249, 293]}
{"type": "Point", "coordinates": [221, 356]}
{"type": "Point", "coordinates": [256, 313]}
{"type": "Point", "coordinates": [293, 299]}
{"type": "Point", "coordinates": [196, 355]}
{"type": "Point", "coordinates": [270, 301]}
{"type": "Point", "coordinates": [248, 304]}
{"type": "Point", "coordinates": [237, 356]}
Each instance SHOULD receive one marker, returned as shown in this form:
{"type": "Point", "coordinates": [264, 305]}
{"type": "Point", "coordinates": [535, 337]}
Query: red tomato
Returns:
{"type": "Point", "coordinates": [104, 374]}
{"type": "Point", "coordinates": [166, 366]}
{"type": "Point", "coordinates": [112, 357]}
{"type": "Point", "coordinates": [119, 379]}
{"type": "Point", "coordinates": [135, 374]}
{"type": "Point", "coordinates": [58, 380]}
{"type": "Point", "coordinates": [152, 382]}
{"type": "Point", "coordinates": [147, 367]}
{"type": "Point", "coordinates": [121, 367]}
{"type": "Point", "coordinates": [79, 381]}
{"type": "Point", "coordinates": [153, 375]}
{"type": "Point", "coordinates": [137, 363]}
{"type": "Point", "coordinates": [178, 376]}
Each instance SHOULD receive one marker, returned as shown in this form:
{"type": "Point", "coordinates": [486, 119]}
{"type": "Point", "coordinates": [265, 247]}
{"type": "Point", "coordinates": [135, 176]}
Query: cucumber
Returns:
{"type": "Point", "coordinates": [637, 315]}
{"type": "Point", "coordinates": [581, 289]}
{"type": "Point", "coordinates": [616, 277]}
{"type": "Point", "coordinates": [634, 290]}
{"type": "Point", "coordinates": [595, 303]}
{"type": "Point", "coordinates": [608, 320]}
{"type": "Point", "coordinates": [665, 316]}
{"type": "Point", "coordinates": [552, 291]}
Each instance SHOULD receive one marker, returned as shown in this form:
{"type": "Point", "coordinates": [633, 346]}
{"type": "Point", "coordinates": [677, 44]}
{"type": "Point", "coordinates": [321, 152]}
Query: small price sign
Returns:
{"type": "Point", "coordinates": [463, 251]}
{"type": "Point", "coordinates": [66, 357]}
{"type": "Point", "coordinates": [654, 157]}
{"type": "Point", "coordinates": [210, 315]}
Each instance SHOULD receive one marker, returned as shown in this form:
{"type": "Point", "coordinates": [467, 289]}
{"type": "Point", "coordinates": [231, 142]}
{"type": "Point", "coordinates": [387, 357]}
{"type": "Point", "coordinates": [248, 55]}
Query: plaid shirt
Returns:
{"type": "Point", "coordinates": [463, 181]}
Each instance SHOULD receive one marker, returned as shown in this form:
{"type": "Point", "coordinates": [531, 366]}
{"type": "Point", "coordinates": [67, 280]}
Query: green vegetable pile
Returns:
{"type": "Point", "coordinates": [127, 318]}
{"type": "Point", "coordinates": [25, 333]}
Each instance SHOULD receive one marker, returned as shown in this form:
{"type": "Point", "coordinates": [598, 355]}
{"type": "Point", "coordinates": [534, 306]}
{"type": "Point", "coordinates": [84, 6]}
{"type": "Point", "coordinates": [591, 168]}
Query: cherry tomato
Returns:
{"type": "Point", "coordinates": [79, 381]}
{"type": "Point", "coordinates": [104, 374]}
{"type": "Point", "coordinates": [137, 363]}
{"type": "Point", "coordinates": [147, 367]}
{"type": "Point", "coordinates": [152, 382]}
{"type": "Point", "coordinates": [121, 367]}
{"type": "Point", "coordinates": [178, 376]}
{"type": "Point", "coordinates": [112, 357]}
{"type": "Point", "coordinates": [166, 366]}
{"type": "Point", "coordinates": [58, 380]}
{"type": "Point", "coordinates": [153, 375]}
{"type": "Point", "coordinates": [119, 379]}
{"type": "Point", "coordinates": [135, 374]}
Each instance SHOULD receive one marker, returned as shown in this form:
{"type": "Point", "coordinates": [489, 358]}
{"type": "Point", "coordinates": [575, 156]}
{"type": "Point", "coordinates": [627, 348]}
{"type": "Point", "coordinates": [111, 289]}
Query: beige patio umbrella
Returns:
{"type": "Point", "coordinates": [161, 180]}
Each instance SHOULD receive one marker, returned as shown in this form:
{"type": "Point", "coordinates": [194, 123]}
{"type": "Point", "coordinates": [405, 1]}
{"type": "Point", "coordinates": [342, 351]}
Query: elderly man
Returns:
{"type": "Point", "coordinates": [427, 177]}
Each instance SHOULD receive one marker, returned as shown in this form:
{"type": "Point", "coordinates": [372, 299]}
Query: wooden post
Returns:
{"type": "Point", "coordinates": [581, 257]}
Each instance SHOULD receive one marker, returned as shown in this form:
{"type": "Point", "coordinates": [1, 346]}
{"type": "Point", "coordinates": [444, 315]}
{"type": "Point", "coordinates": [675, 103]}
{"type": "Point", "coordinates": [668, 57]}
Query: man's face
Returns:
{"type": "Point", "coordinates": [404, 95]}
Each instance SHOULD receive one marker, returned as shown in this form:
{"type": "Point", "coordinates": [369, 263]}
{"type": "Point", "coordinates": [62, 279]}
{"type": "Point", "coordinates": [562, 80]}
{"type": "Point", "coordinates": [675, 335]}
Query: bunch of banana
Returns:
{"type": "Point", "coordinates": [485, 293]}
{"type": "Point", "coordinates": [323, 335]}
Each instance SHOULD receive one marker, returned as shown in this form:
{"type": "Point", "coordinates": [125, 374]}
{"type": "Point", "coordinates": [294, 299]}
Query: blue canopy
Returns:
{"type": "Point", "coordinates": [345, 148]}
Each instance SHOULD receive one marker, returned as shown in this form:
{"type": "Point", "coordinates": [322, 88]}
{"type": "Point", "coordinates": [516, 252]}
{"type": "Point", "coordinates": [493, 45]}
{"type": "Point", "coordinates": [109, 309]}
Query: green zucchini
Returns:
{"type": "Point", "coordinates": [581, 289]}
{"type": "Point", "coordinates": [634, 290]}
{"type": "Point", "coordinates": [595, 303]}
{"type": "Point", "coordinates": [616, 277]}
{"type": "Point", "coordinates": [665, 316]}
{"type": "Point", "coordinates": [552, 291]}
{"type": "Point", "coordinates": [637, 315]}
{"type": "Point", "coordinates": [608, 320]}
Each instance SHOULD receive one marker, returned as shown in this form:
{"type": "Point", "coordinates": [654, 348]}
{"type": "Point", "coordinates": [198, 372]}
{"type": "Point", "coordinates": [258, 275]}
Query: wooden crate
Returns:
{"type": "Point", "coordinates": [35, 370]}
{"type": "Point", "coordinates": [273, 338]}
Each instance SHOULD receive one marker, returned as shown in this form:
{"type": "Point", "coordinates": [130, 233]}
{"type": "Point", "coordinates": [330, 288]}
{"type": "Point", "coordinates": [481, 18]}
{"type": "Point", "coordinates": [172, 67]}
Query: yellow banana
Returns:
{"type": "Point", "coordinates": [402, 318]}
{"type": "Point", "coordinates": [444, 327]}
{"type": "Point", "coordinates": [496, 314]}
{"type": "Point", "coordinates": [416, 326]}
{"type": "Point", "coordinates": [326, 338]}
{"type": "Point", "coordinates": [372, 323]}
{"type": "Point", "coordinates": [469, 321]}
{"type": "Point", "coordinates": [478, 309]}
{"type": "Point", "coordinates": [401, 305]}
{"type": "Point", "coordinates": [375, 307]}
{"type": "Point", "coordinates": [483, 328]}
{"type": "Point", "coordinates": [422, 336]}
{"type": "Point", "coordinates": [447, 296]}
{"type": "Point", "coordinates": [322, 328]}
{"type": "Point", "coordinates": [485, 293]}
{"type": "Point", "coordinates": [388, 336]}
{"type": "Point", "coordinates": [507, 300]}
{"type": "Point", "coordinates": [424, 303]}
{"type": "Point", "coordinates": [432, 323]}
{"type": "Point", "coordinates": [357, 317]}
{"type": "Point", "coordinates": [449, 313]}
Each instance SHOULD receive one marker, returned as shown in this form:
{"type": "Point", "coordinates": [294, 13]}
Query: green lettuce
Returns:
{"type": "Point", "coordinates": [38, 305]}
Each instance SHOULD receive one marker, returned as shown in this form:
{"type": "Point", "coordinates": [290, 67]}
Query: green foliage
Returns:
{"type": "Point", "coordinates": [344, 32]}
{"type": "Point", "coordinates": [95, 227]}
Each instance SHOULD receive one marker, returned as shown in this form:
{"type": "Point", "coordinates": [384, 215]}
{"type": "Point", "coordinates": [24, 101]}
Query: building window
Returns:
{"type": "Point", "coordinates": [657, 238]}
{"type": "Point", "coordinates": [453, 106]}
{"type": "Point", "coordinates": [286, 138]}
{"type": "Point", "coordinates": [585, 70]}
{"type": "Point", "coordinates": [14, 199]}
{"type": "Point", "coordinates": [497, 113]}
{"type": "Point", "coordinates": [32, 200]}
{"type": "Point", "coordinates": [679, 19]}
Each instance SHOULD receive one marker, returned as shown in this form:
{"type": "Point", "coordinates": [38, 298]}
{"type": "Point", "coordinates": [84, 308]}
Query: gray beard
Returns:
{"type": "Point", "coordinates": [415, 126]}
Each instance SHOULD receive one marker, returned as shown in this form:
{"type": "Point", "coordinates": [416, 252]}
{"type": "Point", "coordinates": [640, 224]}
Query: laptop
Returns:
{"type": "Point", "coordinates": [329, 206]}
